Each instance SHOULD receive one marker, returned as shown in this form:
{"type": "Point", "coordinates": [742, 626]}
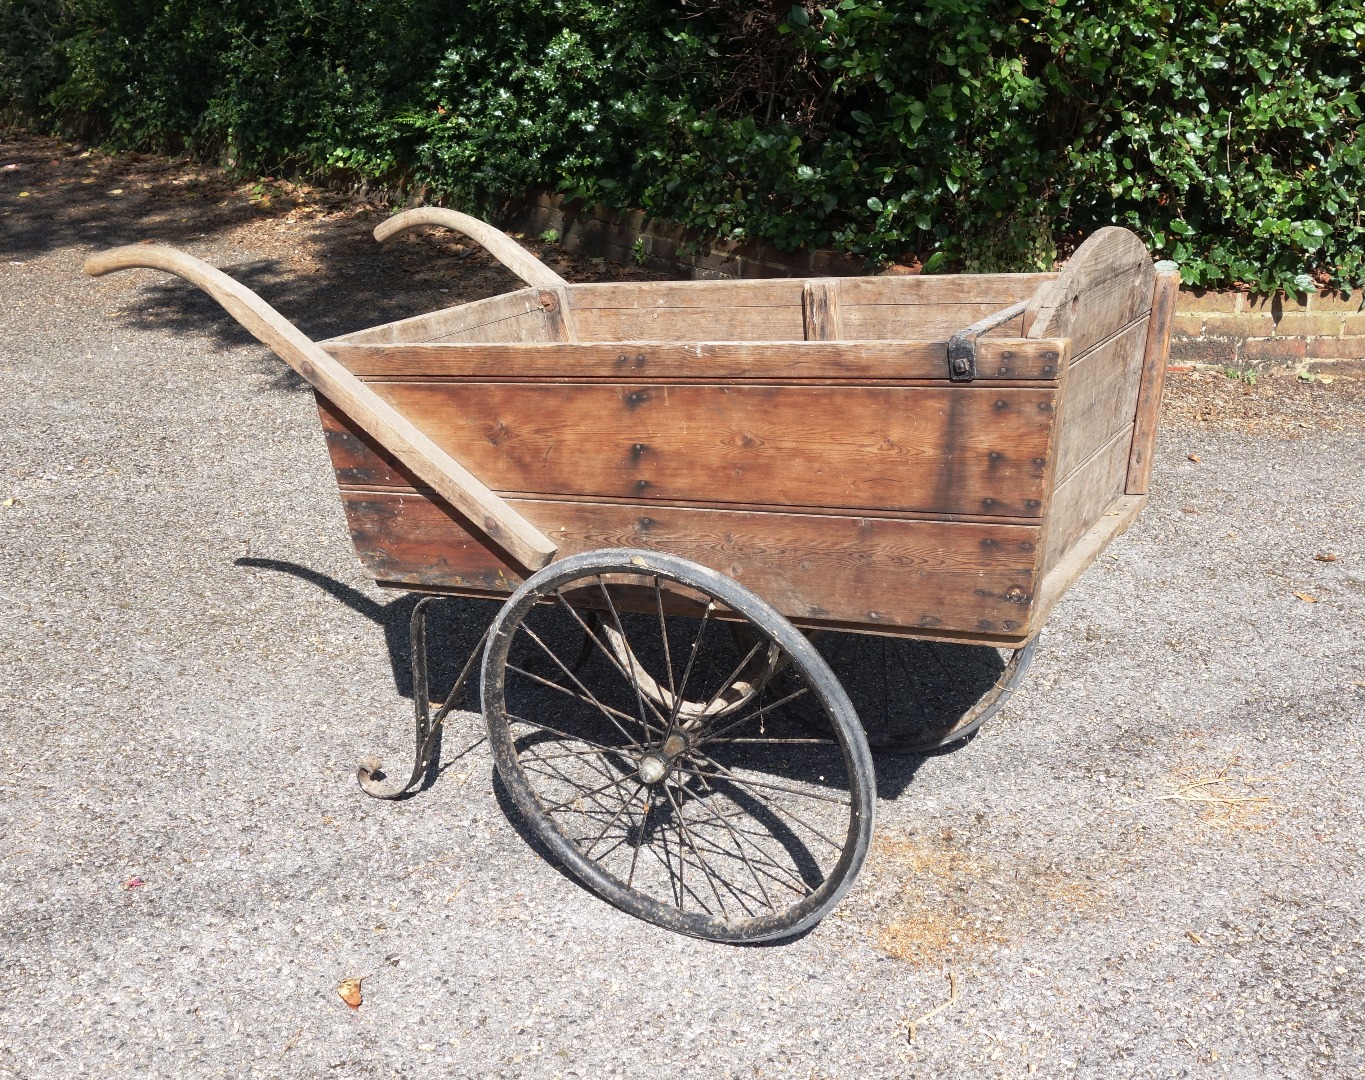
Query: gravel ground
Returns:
{"type": "Point", "coordinates": [194, 663]}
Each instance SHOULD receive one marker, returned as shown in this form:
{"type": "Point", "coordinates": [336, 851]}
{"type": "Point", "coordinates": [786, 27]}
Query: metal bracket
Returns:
{"type": "Point", "coordinates": [962, 345]}
{"type": "Point", "coordinates": [370, 774]}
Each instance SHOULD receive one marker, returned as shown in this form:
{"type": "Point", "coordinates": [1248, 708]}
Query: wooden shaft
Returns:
{"type": "Point", "coordinates": [496, 242]}
{"type": "Point", "coordinates": [1164, 294]}
{"type": "Point", "coordinates": [503, 525]}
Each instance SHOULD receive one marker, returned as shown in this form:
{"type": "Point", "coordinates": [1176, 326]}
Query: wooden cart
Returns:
{"type": "Point", "coordinates": [696, 495]}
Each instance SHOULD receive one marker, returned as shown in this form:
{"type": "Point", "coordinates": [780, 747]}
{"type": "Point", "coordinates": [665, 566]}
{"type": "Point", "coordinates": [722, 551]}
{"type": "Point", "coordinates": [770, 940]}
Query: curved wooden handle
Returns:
{"type": "Point", "coordinates": [512, 532]}
{"type": "Point", "coordinates": [496, 242]}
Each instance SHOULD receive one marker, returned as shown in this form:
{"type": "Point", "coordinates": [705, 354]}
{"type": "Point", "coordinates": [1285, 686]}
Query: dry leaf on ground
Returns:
{"type": "Point", "coordinates": [1307, 598]}
{"type": "Point", "coordinates": [349, 991]}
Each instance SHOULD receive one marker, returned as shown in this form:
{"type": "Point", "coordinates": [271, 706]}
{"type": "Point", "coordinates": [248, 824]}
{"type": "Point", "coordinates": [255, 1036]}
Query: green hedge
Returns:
{"type": "Point", "coordinates": [973, 134]}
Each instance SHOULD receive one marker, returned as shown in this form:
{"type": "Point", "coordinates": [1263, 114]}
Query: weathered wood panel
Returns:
{"type": "Point", "coordinates": [1100, 396]}
{"type": "Point", "coordinates": [1104, 286]}
{"type": "Point", "coordinates": [859, 322]}
{"type": "Point", "coordinates": [971, 451]}
{"type": "Point", "coordinates": [1082, 498]}
{"type": "Point", "coordinates": [1112, 522]}
{"type": "Point", "coordinates": [820, 310]}
{"type": "Point", "coordinates": [516, 316]}
{"type": "Point", "coordinates": [877, 573]}
{"type": "Point", "coordinates": [999, 358]}
{"type": "Point", "coordinates": [1158, 348]}
{"type": "Point", "coordinates": [934, 289]}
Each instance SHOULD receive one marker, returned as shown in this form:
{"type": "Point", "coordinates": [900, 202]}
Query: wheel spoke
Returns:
{"type": "Point", "coordinates": [687, 671]}
{"type": "Point", "coordinates": [630, 653]}
{"type": "Point", "coordinates": [685, 834]}
{"type": "Point", "coordinates": [586, 692]}
{"type": "Point", "coordinates": [615, 818]}
{"type": "Point", "coordinates": [663, 633]}
{"type": "Point", "coordinates": [754, 715]}
{"type": "Point", "coordinates": [614, 663]}
{"type": "Point", "coordinates": [513, 718]}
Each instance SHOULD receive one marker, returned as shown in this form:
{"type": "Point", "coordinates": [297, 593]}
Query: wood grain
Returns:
{"type": "Point", "coordinates": [874, 573]}
{"type": "Point", "coordinates": [973, 451]}
{"type": "Point", "coordinates": [820, 309]}
{"type": "Point", "coordinates": [521, 309]}
{"type": "Point", "coordinates": [1112, 522]}
{"type": "Point", "coordinates": [366, 409]}
{"type": "Point", "coordinates": [1080, 500]}
{"type": "Point", "coordinates": [1157, 350]}
{"type": "Point", "coordinates": [1004, 359]}
{"type": "Point", "coordinates": [1100, 396]}
{"type": "Point", "coordinates": [1104, 286]}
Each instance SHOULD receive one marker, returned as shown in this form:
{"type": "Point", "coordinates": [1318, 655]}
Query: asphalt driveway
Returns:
{"type": "Point", "coordinates": [1150, 864]}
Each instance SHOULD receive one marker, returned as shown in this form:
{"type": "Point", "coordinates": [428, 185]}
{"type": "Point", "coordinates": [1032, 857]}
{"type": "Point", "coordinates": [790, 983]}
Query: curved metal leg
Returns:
{"type": "Point", "coordinates": [370, 774]}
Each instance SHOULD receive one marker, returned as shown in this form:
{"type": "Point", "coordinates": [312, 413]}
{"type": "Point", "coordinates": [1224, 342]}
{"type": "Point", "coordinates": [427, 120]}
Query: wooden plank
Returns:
{"type": "Point", "coordinates": [877, 322]}
{"type": "Point", "coordinates": [366, 409]}
{"type": "Point", "coordinates": [838, 362]}
{"type": "Point", "coordinates": [820, 309]}
{"type": "Point", "coordinates": [933, 290]}
{"type": "Point", "coordinates": [1112, 522]}
{"type": "Point", "coordinates": [874, 573]}
{"type": "Point", "coordinates": [559, 320]}
{"type": "Point", "coordinates": [664, 324]}
{"type": "Point", "coordinates": [1100, 396]}
{"type": "Point", "coordinates": [1158, 348]}
{"type": "Point", "coordinates": [1081, 499]}
{"type": "Point", "coordinates": [1105, 285]}
{"type": "Point", "coordinates": [521, 307]}
{"type": "Point", "coordinates": [964, 450]}
{"type": "Point", "coordinates": [859, 322]}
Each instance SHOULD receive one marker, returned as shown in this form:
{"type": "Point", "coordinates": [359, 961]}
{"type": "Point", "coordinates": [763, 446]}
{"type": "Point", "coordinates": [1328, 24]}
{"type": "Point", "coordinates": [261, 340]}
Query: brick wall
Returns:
{"type": "Point", "coordinates": [1316, 332]}
{"type": "Point", "coordinates": [1222, 329]}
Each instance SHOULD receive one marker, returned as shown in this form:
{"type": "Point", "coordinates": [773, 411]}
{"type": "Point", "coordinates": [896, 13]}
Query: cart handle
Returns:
{"type": "Point", "coordinates": [496, 242]}
{"type": "Point", "coordinates": [375, 416]}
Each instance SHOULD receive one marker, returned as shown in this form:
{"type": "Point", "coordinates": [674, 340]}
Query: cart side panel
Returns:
{"type": "Point", "coordinates": [518, 316]}
{"type": "Point", "coordinates": [1103, 301]}
{"type": "Point", "coordinates": [875, 573]}
{"type": "Point", "coordinates": [883, 308]}
{"type": "Point", "coordinates": [943, 451]}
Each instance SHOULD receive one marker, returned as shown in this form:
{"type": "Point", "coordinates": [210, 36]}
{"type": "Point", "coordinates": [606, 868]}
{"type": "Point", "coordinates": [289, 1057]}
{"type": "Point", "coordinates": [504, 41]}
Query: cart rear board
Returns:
{"type": "Point", "coordinates": [805, 437]}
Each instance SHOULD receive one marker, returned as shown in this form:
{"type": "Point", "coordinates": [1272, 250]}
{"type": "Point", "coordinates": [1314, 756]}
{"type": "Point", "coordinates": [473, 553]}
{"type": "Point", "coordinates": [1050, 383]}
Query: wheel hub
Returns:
{"type": "Point", "coordinates": [653, 768]}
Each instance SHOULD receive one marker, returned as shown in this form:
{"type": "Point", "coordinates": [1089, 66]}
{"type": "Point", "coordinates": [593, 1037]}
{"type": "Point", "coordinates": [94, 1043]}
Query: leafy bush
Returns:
{"type": "Point", "coordinates": [968, 132]}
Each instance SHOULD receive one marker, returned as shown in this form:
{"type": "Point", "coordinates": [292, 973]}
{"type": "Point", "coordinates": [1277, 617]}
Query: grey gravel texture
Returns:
{"type": "Point", "coordinates": [194, 663]}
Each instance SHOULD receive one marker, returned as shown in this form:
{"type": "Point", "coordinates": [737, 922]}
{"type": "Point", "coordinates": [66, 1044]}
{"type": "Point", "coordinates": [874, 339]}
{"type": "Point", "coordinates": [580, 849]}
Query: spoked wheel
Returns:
{"type": "Point", "coordinates": [914, 697]}
{"type": "Point", "coordinates": [730, 822]}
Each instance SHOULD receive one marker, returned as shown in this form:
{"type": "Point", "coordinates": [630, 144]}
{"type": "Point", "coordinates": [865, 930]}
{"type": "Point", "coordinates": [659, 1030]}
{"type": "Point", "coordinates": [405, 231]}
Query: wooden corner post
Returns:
{"type": "Point", "coordinates": [1165, 291]}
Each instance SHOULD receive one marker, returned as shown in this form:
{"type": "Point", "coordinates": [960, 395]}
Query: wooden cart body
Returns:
{"type": "Point", "coordinates": [804, 437]}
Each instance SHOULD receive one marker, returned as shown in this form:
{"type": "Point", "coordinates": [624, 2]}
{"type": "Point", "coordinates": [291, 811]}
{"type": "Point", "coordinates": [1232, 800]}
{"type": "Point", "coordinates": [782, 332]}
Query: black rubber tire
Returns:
{"type": "Point", "coordinates": [694, 777]}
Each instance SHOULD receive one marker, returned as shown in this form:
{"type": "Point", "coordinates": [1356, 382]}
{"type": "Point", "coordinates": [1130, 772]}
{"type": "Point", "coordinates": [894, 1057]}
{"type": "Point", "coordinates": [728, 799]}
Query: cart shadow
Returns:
{"type": "Point", "coordinates": [455, 627]}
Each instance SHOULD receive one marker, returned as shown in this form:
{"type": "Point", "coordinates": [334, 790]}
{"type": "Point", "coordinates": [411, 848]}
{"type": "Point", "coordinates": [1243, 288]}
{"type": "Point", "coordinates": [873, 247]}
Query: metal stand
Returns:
{"type": "Point", "coordinates": [370, 774]}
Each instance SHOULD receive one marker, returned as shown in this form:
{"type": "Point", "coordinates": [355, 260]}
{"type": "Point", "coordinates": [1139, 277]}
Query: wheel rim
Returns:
{"type": "Point", "coordinates": [734, 823]}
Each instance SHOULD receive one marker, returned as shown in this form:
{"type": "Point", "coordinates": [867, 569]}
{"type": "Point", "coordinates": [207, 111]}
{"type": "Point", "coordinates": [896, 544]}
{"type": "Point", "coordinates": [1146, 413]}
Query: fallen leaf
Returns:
{"type": "Point", "coordinates": [11, 500]}
{"type": "Point", "coordinates": [349, 991]}
{"type": "Point", "coordinates": [1194, 937]}
{"type": "Point", "coordinates": [116, 191]}
{"type": "Point", "coordinates": [1306, 597]}
{"type": "Point", "coordinates": [134, 883]}
{"type": "Point", "coordinates": [1193, 457]}
{"type": "Point", "coordinates": [1325, 556]}
{"type": "Point", "coordinates": [88, 180]}
{"type": "Point", "coordinates": [23, 194]}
